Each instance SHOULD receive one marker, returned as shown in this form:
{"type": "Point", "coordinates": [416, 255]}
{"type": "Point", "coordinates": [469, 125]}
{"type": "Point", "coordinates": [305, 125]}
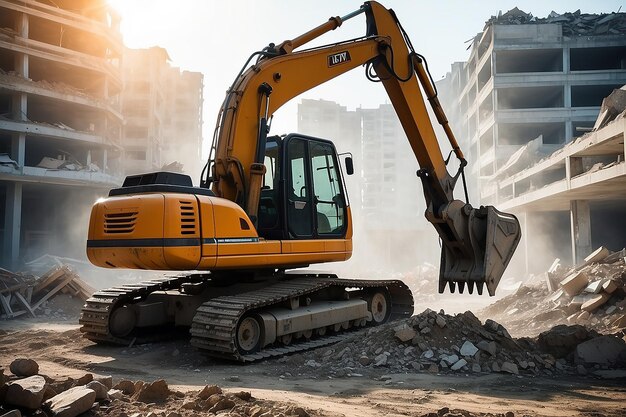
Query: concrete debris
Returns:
{"type": "Point", "coordinates": [468, 349]}
{"type": "Point", "coordinates": [591, 293]}
{"type": "Point", "coordinates": [139, 398]}
{"type": "Point", "coordinates": [605, 350]}
{"type": "Point", "coordinates": [26, 294]}
{"type": "Point", "coordinates": [24, 367]}
{"type": "Point", "coordinates": [573, 24]}
{"type": "Point", "coordinates": [70, 403]}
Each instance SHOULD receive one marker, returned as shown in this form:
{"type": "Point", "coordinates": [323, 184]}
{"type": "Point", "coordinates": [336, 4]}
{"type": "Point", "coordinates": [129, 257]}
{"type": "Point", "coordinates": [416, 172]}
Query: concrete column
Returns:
{"type": "Point", "coordinates": [12, 225]}
{"type": "Point", "coordinates": [523, 219]}
{"type": "Point", "coordinates": [580, 220]}
{"type": "Point", "coordinates": [18, 148]}
{"type": "Point", "coordinates": [566, 55]}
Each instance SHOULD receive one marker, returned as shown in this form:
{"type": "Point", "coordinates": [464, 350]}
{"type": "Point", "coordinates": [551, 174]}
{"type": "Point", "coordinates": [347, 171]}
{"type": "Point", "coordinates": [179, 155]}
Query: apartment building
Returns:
{"type": "Point", "coordinates": [60, 122]}
{"type": "Point", "coordinates": [162, 106]}
{"type": "Point", "coordinates": [530, 87]}
{"type": "Point", "coordinates": [531, 80]}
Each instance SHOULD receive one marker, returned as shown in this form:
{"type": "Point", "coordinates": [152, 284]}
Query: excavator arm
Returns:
{"type": "Point", "coordinates": [477, 244]}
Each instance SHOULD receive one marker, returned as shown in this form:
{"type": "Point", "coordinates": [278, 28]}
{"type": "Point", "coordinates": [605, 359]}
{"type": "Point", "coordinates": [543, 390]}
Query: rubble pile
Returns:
{"type": "Point", "coordinates": [27, 391]}
{"type": "Point", "coordinates": [440, 343]}
{"type": "Point", "coordinates": [573, 24]}
{"type": "Point", "coordinates": [25, 294]}
{"type": "Point", "coordinates": [591, 294]}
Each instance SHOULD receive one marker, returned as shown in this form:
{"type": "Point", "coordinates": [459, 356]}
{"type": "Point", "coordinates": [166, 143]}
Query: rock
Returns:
{"type": "Point", "coordinates": [24, 367]}
{"type": "Point", "coordinates": [233, 378]}
{"type": "Point", "coordinates": [441, 322]}
{"type": "Point", "coordinates": [433, 368]}
{"type": "Point", "coordinates": [71, 403]}
{"type": "Point", "coordinates": [459, 364]}
{"type": "Point", "coordinates": [451, 359]}
{"type": "Point", "coordinates": [495, 367]}
{"type": "Point", "coordinates": [223, 404]}
{"type": "Point", "coordinates": [99, 388]}
{"type": "Point", "coordinates": [476, 368]}
{"type": "Point", "coordinates": [173, 414]}
{"type": "Point", "coordinates": [425, 330]}
{"type": "Point", "coordinates": [611, 310]}
{"type": "Point", "coordinates": [510, 368]}
{"type": "Point", "coordinates": [581, 370]}
{"type": "Point", "coordinates": [126, 386]}
{"type": "Point", "coordinates": [156, 392]}
{"type": "Point", "coordinates": [380, 360]}
{"type": "Point", "coordinates": [115, 394]}
{"type": "Point", "coordinates": [299, 411]}
{"type": "Point", "coordinates": [574, 283]}
{"type": "Point", "coordinates": [107, 380]}
{"type": "Point", "coordinates": [561, 340]}
{"type": "Point", "coordinates": [365, 361]}
{"type": "Point", "coordinates": [443, 411]}
{"type": "Point", "coordinates": [243, 395]}
{"type": "Point", "coordinates": [428, 354]}
{"type": "Point", "coordinates": [405, 333]}
{"type": "Point", "coordinates": [209, 390]}
{"type": "Point", "coordinates": [27, 393]}
{"type": "Point", "coordinates": [605, 350]}
{"type": "Point", "coordinates": [489, 347]}
{"type": "Point", "coordinates": [85, 379]}
{"type": "Point", "coordinates": [509, 414]}
{"type": "Point", "coordinates": [189, 404]}
{"type": "Point", "coordinates": [468, 349]}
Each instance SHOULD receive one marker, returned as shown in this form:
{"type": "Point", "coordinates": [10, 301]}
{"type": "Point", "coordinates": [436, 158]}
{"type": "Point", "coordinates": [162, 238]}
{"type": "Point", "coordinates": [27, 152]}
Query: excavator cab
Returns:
{"type": "Point", "coordinates": [303, 195]}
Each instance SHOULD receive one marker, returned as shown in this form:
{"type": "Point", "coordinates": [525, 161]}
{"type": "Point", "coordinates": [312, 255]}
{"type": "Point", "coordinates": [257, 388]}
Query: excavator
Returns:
{"type": "Point", "coordinates": [269, 206]}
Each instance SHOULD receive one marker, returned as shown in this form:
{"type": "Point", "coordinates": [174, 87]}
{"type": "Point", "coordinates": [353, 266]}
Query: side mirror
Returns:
{"type": "Point", "coordinates": [349, 165]}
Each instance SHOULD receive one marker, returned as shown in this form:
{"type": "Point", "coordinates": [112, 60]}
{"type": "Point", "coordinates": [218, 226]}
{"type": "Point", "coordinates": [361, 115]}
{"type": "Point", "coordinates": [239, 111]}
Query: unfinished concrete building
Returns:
{"type": "Point", "coordinates": [60, 124]}
{"type": "Point", "coordinates": [529, 87]}
{"type": "Point", "coordinates": [162, 107]}
{"type": "Point", "coordinates": [529, 78]}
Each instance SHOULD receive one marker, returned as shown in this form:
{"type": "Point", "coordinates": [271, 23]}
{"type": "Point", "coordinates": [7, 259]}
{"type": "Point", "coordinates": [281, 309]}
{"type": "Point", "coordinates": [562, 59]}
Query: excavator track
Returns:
{"type": "Point", "coordinates": [215, 324]}
{"type": "Point", "coordinates": [96, 313]}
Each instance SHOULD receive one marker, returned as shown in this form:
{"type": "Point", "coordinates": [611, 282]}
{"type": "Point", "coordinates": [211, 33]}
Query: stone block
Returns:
{"type": "Point", "coordinates": [574, 283]}
{"type": "Point", "coordinates": [70, 403]}
{"type": "Point", "coordinates": [27, 392]}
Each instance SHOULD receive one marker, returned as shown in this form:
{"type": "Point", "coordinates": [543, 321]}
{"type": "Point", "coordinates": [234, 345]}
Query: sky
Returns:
{"type": "Point", "coordinates": [216, 38]}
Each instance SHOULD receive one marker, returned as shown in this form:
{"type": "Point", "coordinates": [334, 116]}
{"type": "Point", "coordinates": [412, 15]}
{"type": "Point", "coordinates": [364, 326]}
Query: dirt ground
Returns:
{"type": "Point", "coordinates": [61, 352]}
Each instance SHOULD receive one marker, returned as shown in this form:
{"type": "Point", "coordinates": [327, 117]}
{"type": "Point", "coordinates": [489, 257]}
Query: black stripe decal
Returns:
{"type": "Point", "coordinates": [143, 243]}
{"type": "Point", "coordinates": [166, 242]}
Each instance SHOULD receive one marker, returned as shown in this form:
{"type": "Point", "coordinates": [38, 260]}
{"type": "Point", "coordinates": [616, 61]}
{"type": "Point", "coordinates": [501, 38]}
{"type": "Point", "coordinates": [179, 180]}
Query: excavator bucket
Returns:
{"type": "Point", "coordinates": [486, 240]}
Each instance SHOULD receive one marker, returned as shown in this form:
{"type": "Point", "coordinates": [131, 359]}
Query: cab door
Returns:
{"type": "Point", "coordinates": [315, 200]}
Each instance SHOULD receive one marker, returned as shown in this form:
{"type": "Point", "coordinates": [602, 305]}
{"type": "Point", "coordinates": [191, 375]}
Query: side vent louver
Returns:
{"type": "Point", "coordinates": [187, 218]}
{"type": "Point", "coordinates": [120, 222]}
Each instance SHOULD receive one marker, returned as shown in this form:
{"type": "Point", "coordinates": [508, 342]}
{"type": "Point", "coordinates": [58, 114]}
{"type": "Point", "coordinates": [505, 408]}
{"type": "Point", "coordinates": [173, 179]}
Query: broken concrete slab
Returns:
{"type": "Point", "coordinates": [597, 255]}
{"type": "Point", "coordinates": [575, 283]}
{"type": "Point", "coordinates": [595, 302]}
{"type": "Point", "coordinates": [609, 286]}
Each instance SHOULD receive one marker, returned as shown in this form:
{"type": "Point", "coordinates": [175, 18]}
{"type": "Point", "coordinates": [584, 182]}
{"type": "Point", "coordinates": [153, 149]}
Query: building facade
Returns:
{"type": "Point", "coordinates": [60, 122]}
{"type": "Point", "coordinates": [530, 87]}
{"type": "Point", "coordinates": [531, 80]}
{"type": "Point", "coordinates": [162, 106]}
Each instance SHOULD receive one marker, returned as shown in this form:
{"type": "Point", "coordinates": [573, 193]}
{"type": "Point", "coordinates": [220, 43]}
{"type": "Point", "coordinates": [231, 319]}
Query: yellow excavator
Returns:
{"type": "Point", "coordinates": [270, 205]}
